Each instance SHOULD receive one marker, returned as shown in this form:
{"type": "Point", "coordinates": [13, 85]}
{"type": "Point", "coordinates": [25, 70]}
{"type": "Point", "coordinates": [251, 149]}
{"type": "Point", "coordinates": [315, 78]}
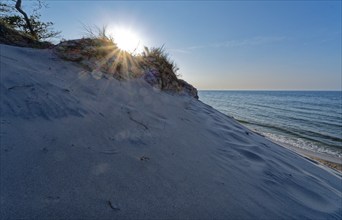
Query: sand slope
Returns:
{"type": "Point", "coordinates": [76, 146]}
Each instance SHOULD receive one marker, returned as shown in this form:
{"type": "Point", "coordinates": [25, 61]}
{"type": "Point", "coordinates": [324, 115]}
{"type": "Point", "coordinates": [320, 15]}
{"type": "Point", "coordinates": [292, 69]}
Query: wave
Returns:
{"type": "Point", "coordinates": [308, 135]}
{"type": "Point", "coordinates": [303, 144]}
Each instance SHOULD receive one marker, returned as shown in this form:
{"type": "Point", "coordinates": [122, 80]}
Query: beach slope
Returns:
{"type": "Point", "coordinates": [77, 146]}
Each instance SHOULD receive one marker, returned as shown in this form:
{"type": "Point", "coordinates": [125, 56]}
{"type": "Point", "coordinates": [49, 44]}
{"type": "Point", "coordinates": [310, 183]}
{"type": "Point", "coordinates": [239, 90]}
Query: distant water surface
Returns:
{"type": "Point", "coordinates": [310, 120]}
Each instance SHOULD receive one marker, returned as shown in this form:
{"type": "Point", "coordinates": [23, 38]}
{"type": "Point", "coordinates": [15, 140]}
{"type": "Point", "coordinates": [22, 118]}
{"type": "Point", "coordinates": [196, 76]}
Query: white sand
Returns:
{"type": "Point", "coordinates": [77, 147]}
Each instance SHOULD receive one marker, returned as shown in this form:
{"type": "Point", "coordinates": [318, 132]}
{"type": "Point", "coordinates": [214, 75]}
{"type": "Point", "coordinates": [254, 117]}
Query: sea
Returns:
{"type": "Point", "coordinates": [310, 120]}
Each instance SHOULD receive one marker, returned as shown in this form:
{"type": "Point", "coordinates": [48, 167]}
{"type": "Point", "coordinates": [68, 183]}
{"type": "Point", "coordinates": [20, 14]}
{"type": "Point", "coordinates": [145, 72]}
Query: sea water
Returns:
{"type": "Point", "coordinates": [311, 120]}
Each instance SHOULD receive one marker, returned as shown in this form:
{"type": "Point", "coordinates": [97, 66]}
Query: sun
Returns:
{"type": "Point", "coordinates": [126, 40]}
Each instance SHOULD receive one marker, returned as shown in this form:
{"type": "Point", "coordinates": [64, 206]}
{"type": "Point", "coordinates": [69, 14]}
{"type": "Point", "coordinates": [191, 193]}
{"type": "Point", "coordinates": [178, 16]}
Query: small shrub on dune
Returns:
{"type": "Point", "coordinates": [11, 36]}
{"type": "Point", "coordinates": [159, 59]}
{"type": "Point", "coordinates": [161, 71]}
{"type": "Point", "coordinates": [158, 56]}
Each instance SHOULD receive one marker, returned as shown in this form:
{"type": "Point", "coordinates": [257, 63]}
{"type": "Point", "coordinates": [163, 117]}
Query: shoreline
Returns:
{"type": "Point", "coordinates": [325, 160]}
{"type": "Point", "coordinates": [243, 113]}
{"type": "Point", "coordinates": [318, 158]}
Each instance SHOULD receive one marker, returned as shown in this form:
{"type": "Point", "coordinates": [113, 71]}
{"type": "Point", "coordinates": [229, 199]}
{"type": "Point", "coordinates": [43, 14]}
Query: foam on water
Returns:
{"type": "Point", "coordinates": [303, 144]}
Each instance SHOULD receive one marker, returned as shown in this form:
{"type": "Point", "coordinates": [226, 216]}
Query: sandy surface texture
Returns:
{"type": "Point", "coordinates": [76, 146]}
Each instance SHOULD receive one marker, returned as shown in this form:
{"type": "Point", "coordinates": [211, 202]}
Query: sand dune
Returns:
{"type": "Point", "coordinates": [77, 147]}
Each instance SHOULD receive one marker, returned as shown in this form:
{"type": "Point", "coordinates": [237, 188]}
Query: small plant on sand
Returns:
{"type": "Point", "coordinates": [159, 59]}
{"type": "Point", "coordinates": [11, 36]}
{"type": "Point", "coordinates": [96, 32]}
{"type": "Point", "coordinates": [159, 56]}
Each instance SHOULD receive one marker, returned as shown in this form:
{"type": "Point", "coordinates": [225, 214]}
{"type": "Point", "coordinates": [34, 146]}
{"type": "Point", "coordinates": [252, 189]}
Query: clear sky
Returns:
{"type": "Point", "coordinates": [249, 45]}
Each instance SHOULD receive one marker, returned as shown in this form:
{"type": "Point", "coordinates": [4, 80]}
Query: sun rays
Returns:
{"type": "Point", "coordinates": [124, 50]}
{"type": "Point", "coordinates": [119, 63]}
{"type": "Point", "coordinates": [126, 39]}
{"type": "Point", "coordinates": [106, 53]}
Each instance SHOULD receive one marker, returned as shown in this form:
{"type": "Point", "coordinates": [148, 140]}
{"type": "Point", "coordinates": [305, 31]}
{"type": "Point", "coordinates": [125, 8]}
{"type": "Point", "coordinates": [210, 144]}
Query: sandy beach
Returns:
{"type": "Point", "coordinates": [78, 146]}
{"type": "Point", "coordinates": [323, 159]}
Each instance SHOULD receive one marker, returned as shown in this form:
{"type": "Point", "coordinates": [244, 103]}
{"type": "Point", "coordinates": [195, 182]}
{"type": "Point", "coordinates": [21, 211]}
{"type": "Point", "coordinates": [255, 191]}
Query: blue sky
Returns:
{"type": "Point", "coordinates": [248, 45]}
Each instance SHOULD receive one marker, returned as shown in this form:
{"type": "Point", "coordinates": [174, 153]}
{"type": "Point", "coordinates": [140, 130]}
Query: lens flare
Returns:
{"type": "Point", "coordinates": [127, 40]}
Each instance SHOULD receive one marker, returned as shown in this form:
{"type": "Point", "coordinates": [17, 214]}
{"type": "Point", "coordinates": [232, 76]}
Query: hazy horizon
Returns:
{"type": "Point", "coordinates": [270, 90]}
{"type": "Point", "coordinates": [226, 45]}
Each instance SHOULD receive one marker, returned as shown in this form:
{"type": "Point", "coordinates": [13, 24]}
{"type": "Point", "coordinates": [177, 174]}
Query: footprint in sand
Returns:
{"type": "Point", "coordinates": [250, 155]}
{"type": "Point", "coordinates": [144, 158]}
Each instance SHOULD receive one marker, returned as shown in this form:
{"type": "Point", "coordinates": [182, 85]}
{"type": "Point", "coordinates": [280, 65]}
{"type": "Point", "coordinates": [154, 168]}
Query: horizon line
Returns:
{"type": "Point", "coordinates": [269, 90]}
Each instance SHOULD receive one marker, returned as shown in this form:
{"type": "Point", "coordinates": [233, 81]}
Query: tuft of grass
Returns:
{"type": "Point", "coordinates": [96, 32]}
{"type": "Point", "coordinates": [158, 55]}
{"type": "Point", "coordinates": [158, 58]}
